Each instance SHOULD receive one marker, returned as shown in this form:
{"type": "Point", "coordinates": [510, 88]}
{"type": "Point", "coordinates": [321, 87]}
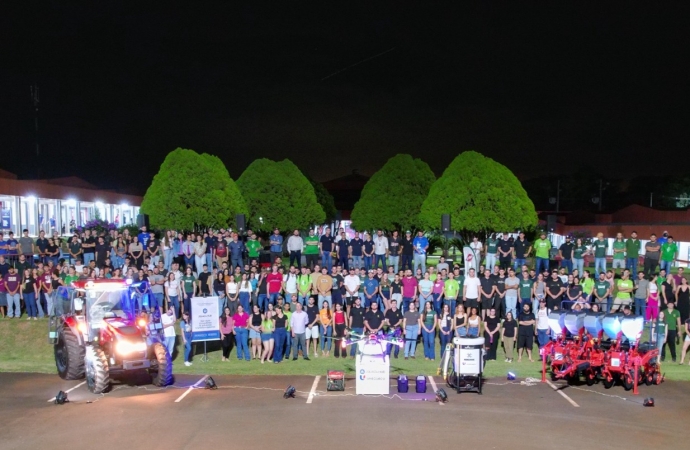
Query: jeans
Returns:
{"type": "Point", "coordinates": [273, 298]}
{"type": "Point", "coordinates": [244, 300]}
{"type": "Point", "coordinates": [167, 259]}
{"type": "Point", "coordinates": [189, 262]}
{"type": "Point", "coordinates": [419, 260]}
{"type": "Point", "coordinates": [451, 302]}
{"type": "Point", "coordinates": [187, 301]}
{"type": "Point", "coordinates": [568, 265]}
{"type": "Point", "coordinates": [599, 263]}
{"type": "Point", "coordinates": [428, 341]}
{"type": "Point", "coordinates": [303, 299]}
{"type": "Point", "coordinates": [296, 258]}
{"type": "Point", "coordinates": [262, 302]}
{"type": "Point", "coordinates": [156, 300]}
{"type": "Point", "coordinates": [579, 264]}
{"type": "Point", "coordinates": [344, 262]}
{"type": "Point", "coordinates": [395, 262]}
{"type": "Point", "coordinates": [369, 301]}
{"type": "Point", "coordinates": [631, 264]}
{"type": "Point", "coordinates": [406, 262]}
{"type": "Point", "coordinates": [30, 302]}
{"type": "Point", "coordinates": [325, 298]}
{"type": "Point", "coordinates": [542, 337]}
{"type": "Point", "coordinates": [236, 261]}
{"type": "Point", "coordinates": [241, 336]}
{"type": "Point", "coordinates": [367, 263]}
{"type": "Point", "coordinates": [517, 264]}
{"type": "Point", "coordinates": [353, 347]}
{"type": "Point", "coordinates": [445, 338]}
{"type": "Point", "coordinates": [542, 262]}
{"type": "Point", "coordinates": [326, 333]}
{"type": "Point", "coordinates": [88, 257]}
{"type": "Point", "coordinates": [50, 308]}
{"type": "Point", "coordinates": [490, 261]}
{"type": "Point", "coordinates": [382, 260]}
{"type": "Point", "coordinates": [406, 303]}
{"type": "Point", "coordinates": [326, 261]}
{"type": "Point", "coordinates": [279, 335]}
{"type": "Point", "coordinates": [175, 302]}
{"type": "Point", "coordinates": [13, 300]}
{"type": "Point", "coordinates": [299, 340]}
{"type": "Point", "coordinates": [221, 301]}
{"type": "Point", "coordinates": [650, 265]}
{"type": "Point", "coordinates": [357, 262]}
{"type": "Point", "coordinates": [665, 265]}
{"type": "Point", "coordinates": [511, 305]}
{"type": "Point", "coordinates": [170, 345]}
{"type": "Point", "coordinates": [640, 306]}
{"type": "Point", "coordinates": [437, 303]}
{"type": "Point", "coordinates": [411, 333]}
{"type": "Point", "coordinates": [188, 347]}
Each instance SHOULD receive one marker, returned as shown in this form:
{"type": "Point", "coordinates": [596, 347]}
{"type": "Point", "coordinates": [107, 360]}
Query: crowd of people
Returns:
{"type": "Point", "coordinates": [332, 285]}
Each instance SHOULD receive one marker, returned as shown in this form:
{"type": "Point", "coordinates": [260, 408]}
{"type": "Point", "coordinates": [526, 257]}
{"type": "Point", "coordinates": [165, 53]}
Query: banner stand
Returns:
{"type": "Point", "coordinates": [205, 325]}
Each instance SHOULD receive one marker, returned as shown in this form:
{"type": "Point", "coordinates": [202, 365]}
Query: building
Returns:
{"type": "Point", "coordinates": [59, 204]}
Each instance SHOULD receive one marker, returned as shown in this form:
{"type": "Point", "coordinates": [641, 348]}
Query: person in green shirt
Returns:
{"type": "Point", "coordinates": [542, 246]}
{"type": "Point", "coordinates": [491, 250]}
{"type": "Point", "coordinates": [311, 249]}
{"type": "Point", "coordinates": [632, 252]}
{"type": "Point", "coordinates": [624, 295]}
{"type": "Point", "coordinates": [579, 253]}
{"type": "Point", "coordinates": [587, 284]}
{"type": "Point", "coordinates": [602, 291]}
{"type": "Point", "coordinates": [669, 253]}
{"type": "Point", "coordinates": [618, 252]}
{"type": "Point", "coordinates": [672, 321]}
{"type": "Point", "coordinates": [525, 289]}
{"type": "Point", "coordinates": [188, 287]}
{"type": "Point", "coordinates": [600, 246]}
{"type": "Point", "coordinates": [71, 276]}
{"type": "Point", "coordinates": [253, 248]}
{"type": "Point", "coordinates": [451, 288]}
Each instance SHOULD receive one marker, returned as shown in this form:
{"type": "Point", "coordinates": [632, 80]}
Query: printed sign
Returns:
{"type": "Point", "coordinates": [6, 218]}
{"type": "Point", "coordinates": [373, 374]}
{"type": "Point", "coordinates": [471, 259]}
{"type": "Point", "coordinates": [205, 314]}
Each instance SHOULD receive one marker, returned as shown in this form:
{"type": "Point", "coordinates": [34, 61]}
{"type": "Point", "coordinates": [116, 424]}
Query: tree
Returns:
{"type": "Point", "coordinates": [191, 192]}
{"type": "Point", "coordinates": [325, 199]}
{"type": "Point", "coordinates": [393, 196]}
{"type": "Point", "coordinates": [480, 195]}
{"type": "Point", "coordinates": [279, 195]}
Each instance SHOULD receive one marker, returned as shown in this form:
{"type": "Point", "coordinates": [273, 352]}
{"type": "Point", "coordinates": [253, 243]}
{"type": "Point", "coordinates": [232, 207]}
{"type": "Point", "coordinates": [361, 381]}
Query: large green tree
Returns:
{"type": "Point", "coordinates": [393, 196]}
{"type": "Point", "coordinates": [325, 199]}
{"type": "Point", "coordinates": [480, 195]}
{"type": "Point", "coordinates": [279, 195]}
{"type": "Point", "coordinates": [192, 191]}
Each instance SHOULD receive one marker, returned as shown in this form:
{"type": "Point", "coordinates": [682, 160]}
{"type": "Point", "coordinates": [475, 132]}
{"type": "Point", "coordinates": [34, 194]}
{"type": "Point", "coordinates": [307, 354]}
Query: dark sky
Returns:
{"type": "Point", "coordinates": [537, 88]}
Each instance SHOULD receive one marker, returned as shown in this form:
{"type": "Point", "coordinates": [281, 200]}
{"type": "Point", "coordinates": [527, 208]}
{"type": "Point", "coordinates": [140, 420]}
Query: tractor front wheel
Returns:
{"type": "Point", "coordinates": [69, 356]}
{"type": "Point", "coordinates": [161, 372]}
{"type": "Point", "coordinates": [97, 370]}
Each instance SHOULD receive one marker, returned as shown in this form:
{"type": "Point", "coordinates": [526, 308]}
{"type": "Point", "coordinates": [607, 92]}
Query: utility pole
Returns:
{"type": "Point", "coordinates": [558, 195]}
{"type": "Point", "coordinates": [601, 192]}
{"type": "Point", "coordinates": [35, 100]}
{"type": "Point", "coordinates": [651, 196]}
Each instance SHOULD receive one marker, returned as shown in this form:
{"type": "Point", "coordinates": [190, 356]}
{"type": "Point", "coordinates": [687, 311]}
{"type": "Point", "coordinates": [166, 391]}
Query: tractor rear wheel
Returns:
{"type": "Point", "coordinates": [161, 372]}
{"type": "Point", "coordinates": [69, 356]}
{"type": "Point", "coordinates": [97, 370]}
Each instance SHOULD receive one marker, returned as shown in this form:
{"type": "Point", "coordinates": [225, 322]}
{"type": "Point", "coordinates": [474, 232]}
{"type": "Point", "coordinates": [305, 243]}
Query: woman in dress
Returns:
{"type": "Point", "coordinates": [683, 300]}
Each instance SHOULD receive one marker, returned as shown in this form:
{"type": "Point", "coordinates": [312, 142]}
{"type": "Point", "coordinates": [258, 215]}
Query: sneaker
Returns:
{"type": "Point", "coordinates": [407, 357]}
{"type": "Point", "coordinates": [306, 358]}
{"type": "Point", "coordinates": [35, 318]}
{"type": "Point", "coordinates": [28, 318]}
{"type": "Point", "coordinates": [294, 359]}
{"type": "Point", "coordinates": [316, 354]}
{"type": "Point", "coordinates": [186, 363]}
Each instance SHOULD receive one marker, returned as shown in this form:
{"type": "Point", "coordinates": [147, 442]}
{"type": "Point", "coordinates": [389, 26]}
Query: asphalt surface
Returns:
{"type": "Point", "coordinates": [250, 412]}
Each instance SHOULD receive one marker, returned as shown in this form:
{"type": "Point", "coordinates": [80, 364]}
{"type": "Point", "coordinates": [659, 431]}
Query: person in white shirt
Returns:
{"type": "Point", "coordinates": [290, 282]}
{"type": "Point", "coordinates": [295, 244]}
{"type": "Point", "coordinates": [476, 247]}
{"type": "Point", "coordinates": [168, 321]}
{"type": "Point", "coordinates": [351, 283]}
{"type": "Point", "coordinates": [298, 330]}
{"type": "Point", "coordinates": [79, 267]}
{"type": "Point", "coordinates": [199, 254]}
{"type": "Point", "coordinates": [380, 249]}
{"type": "Point", "coordinates": [470, 290]}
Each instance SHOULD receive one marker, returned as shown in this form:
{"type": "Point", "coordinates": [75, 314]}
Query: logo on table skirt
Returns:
{"type": "Point", "coordinates": [204, 310]}
{"type": "Point", "coordinates": [362, 375]}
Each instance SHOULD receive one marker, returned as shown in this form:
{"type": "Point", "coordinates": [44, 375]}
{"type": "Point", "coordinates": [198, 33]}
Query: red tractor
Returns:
{"type": "Point", "coordinates": [96, 334]}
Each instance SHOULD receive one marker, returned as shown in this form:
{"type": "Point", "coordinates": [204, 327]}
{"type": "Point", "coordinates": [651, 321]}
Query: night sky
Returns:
{"type": "Point", "coordinates": [540, 89]}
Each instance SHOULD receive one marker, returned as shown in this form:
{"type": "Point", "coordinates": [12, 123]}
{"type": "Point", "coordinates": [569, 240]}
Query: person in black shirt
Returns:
{"type": "Point", "coordinates": [407, 251]}
{"type": "Point", "coordinates": [356, 251]}
{"type": "Point", "coordinates": [492, 325]}
{"type": "Point", "coordinates": [326, 243]}
{"type": "Point", "coordinates": [521, 248]}
{"type": "Point", "coordinates": [204, 286]}
{"type": "Point", "coordinates": [42, 245]}
{"type": "Point", "coordinates": [356, 322]}
{"type": "Point", "coordinates": [508, 336]}
{"type": "Point", "coordinates": [488, 290]}
{"type": "Point", "coordinates": [565, 251]}
{"type": "Point", "coordinates": [312, 334]}
{"type": "Point", "coordinates": [102, 252]}
{"type": "Point", "coordinates": [343, 251]}
{"type": "Point", "coordinates": [88, 245]}
{"type": "Point", "coordinates": [505, 252]}
{"type": "Point", "coordinates": [394, 319]}
{"type": "Point", "coordinates": [554, 292]}
{"type": "Point", "coordinates": [373, 319]}
{"type": "Point", "coordinates": [526, 332]}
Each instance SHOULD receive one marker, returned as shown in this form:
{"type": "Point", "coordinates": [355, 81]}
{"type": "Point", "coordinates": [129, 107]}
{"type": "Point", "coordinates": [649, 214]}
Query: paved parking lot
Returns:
{"type": "Point", "coordinates": [251, 411]}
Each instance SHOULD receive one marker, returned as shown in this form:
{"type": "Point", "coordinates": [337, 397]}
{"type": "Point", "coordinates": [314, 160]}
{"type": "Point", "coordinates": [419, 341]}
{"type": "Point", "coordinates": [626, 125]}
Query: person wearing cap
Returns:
{"type": "Point", "coordinates": [407, 251]}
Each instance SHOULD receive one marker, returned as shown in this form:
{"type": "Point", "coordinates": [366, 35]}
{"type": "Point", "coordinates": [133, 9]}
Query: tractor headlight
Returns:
{"type": "Point", "coordinates": [126, 347]}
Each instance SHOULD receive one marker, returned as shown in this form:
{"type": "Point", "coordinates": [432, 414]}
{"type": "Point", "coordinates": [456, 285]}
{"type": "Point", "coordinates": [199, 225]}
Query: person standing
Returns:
{"type": "Point", "coordinates": [491, 249]}
{"type": "Point", "coordinates": [508, 336]}
{"type": "Point", "coordinates": [477, 249]}
{"type": "Point", "coordinates": [280, 334]}
{"type": "Point", "coordinates": [13, 282]}
{"type": "Point", "coordinates": [641, 293]}
{"type": "Point", "coordinates": [326, 243]}
{"type": "Point", "coordinates": [186, 327]}
{"type": "Point", "coordinates": [393, 321]}
{"type": "Point", "coordinates": [394, 250]}
{"type": "Point", "coordinates": [168, 322]}
{"type": "Point", "coordinates": [624, 295]}
{"type": "Point", "coordinates": [226, 333]}
{"type": "Point", "coordinates": [672, 321]}
{"type": "Point", "coordinates": [565, 252]}
{"type": "Point", "coordinates": [505, 251]}
{"type": "Point", "coordinates": [602, 292]}
{"type": "Point", "coordinates": [492, 326]}
{"type": "Point", "coordinates": [298, 330]}
{"type": "Point", "coordinates": [294, 248]}
{"type": "Point", "coordinates": [311, 249]}
{"type": "Point", "coordinates": [409, 289]}
{"type": "Point", "coordinates": [253, 247]}
{"type": "Point", "coordinates": [600, 247]}
{"type": "Point", "coordinates": [470, 291]}
{"type": "Point", "coordinates": [26, 247]}
{"type": "Point", "coordinates": [380, 250]}
{"type": "Point", "coordinates": [632, 252]}
{"type": "Point", "coordinates": [521, 249]}
{"type": "Point", "coordinates": [683, 300]}
{"type": "Point", "coordinates": [276, 242]}
{"type": "Point", "coordinates": [340, 322]}
{"type": "Point", "coordinates": [651, 256]}
{"type": "Point", "coordinates": [187, 251]}
{"type": "Point", "coordinates": [618, 246]}
{"type": "Point", "coordinates": [312, 330]}
{"type": "Point", "coordinates": [236, 248]}
{"type": "Point", "coordinates": [428, 322]}
{"type": "Point", "coordinates": [342, 251]}
{"type": "Point", "coordinates": [421, 245]}
{"type": "Point", "coordinates": [355, 251]}
{"type": "Point", "coordinates": [669, 253]}
{"type": "Point", "coordinates": [356, 323]}
{"type": "Point", "coordinates": [240, 322]}
{"type": "Point", "coordinates": [488, 291]}
{"type": "Point", "coordinates": [323, 285]}
{"type": "Point", "coordinates": [407, 252]}
{"type": "Point", "coordinates": [512, 288]}
{"type": "Point", "coordinates": [554, 292]}
{"type": "Point", "coordinates": [542, 247]}
{"type": "Point", "coordinates": [526, 332]}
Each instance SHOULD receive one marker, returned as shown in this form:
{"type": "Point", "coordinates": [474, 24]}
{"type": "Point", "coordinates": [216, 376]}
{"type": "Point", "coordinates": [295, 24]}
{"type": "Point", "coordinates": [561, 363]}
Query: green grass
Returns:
{"type": "Point", "coordinates": [24, 347]}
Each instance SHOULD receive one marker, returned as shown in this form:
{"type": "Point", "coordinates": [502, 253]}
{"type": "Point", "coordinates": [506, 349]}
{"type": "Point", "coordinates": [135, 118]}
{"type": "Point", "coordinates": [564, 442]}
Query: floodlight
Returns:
{"type": "Point", "coordinates": [61, 398]}
{"type": "Point", "coordinates": [210, 384]}
{"type": "Point", "coordinates": [289, 392]}
{"type": "Point", "coordinates": [441, 396]}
